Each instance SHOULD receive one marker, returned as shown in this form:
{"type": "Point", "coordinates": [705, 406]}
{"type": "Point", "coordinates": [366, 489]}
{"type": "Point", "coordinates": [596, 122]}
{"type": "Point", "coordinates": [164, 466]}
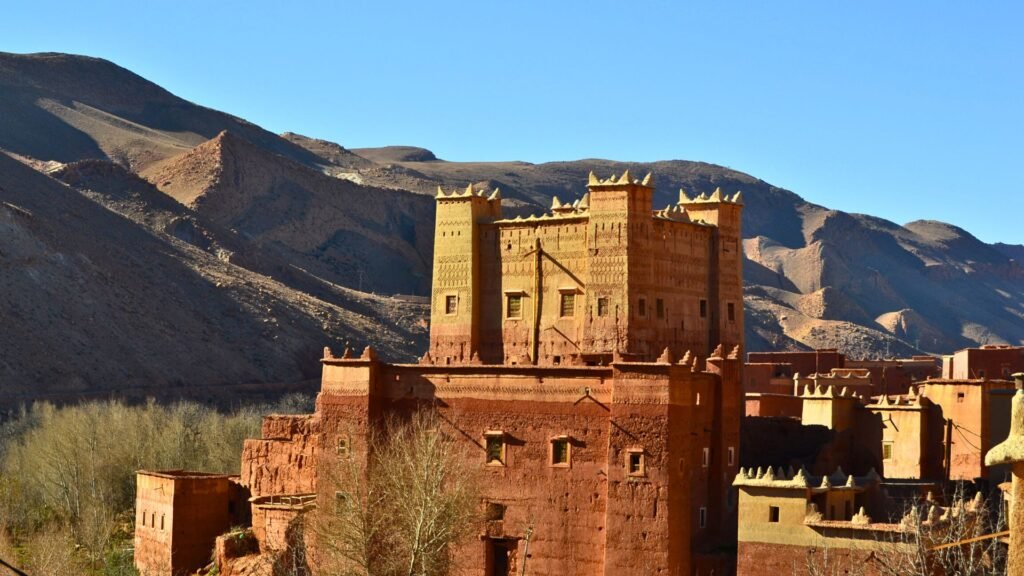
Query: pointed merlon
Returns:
{"type": "Point", "coordinates": [496, 195]}
{"type": "Point", "coordinates": [718, 352]}
{"type": "Point", "coordinates": [647, 180]}
{"type": "Point", "coordinates": [585, 201]}
{"type": "Point", "coordinates": [666, 356]}
{"type": "Point", "coordinates": [469, 190]}
{"type": "Point", "coordinates": [555, 203]}
{"type": "Point", "coordinates": [624, 179]}
{"type": "Point", "coordinates": [683, 198]}
{"type": "Point", "coordinates": [716, 196]}
{"type": "Point", "coordinates": [738, 198]}
{"type": "Point", "coordinates": [440, 192]}
{"type": "Point", "coordinates": [592, 179]}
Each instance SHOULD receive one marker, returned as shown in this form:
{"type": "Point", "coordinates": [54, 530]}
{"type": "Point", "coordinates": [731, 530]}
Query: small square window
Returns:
{"type": "Point", "coordinates": [773, 514]}
{"type": "Point", "coordinates": [706, 458]}
{"type": "Point", "coordinates": [731, 311]}
{"type": "Point", "coordinates": [495, 447]}
{"type": "Point", "coordinates": [960, 397]}
{"type": "Point", "coordinates": [560, 452]}
{"type": "Point", "coordinates": [732, 456]}
{"type": "Point", "coordinates": [703, 308]}
{"type": "Point", "coordinates": [568, 304]}
{"type": "Point", "coordinates": [641, 307]}
{"type": "Point", "coordinates": [886, 450]}
{"type": "Point", "coordinates": [514, 306]}
{"type": "Point", "coordinates": [343, 447]}
{"type": "Point", "coordinates": [635, 463]}
{"type": "Point", "coordinates": [703, 520]}
{"type": "Point", "coordinates": [602, 306]}
{"type": "Point", "coordinates": [451, 304]}
{"type": "Point", "coordinates": [659, 307]}
{"type": "Point", "coordinates": [494, 512]}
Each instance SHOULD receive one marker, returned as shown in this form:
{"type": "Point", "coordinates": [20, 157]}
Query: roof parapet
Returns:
{"type": "Point", "coordinates": [717, 197]}
{"type": "Point", "coordinates": [779, 478]}
{"type": "Point", "coordinates": [625, 179]}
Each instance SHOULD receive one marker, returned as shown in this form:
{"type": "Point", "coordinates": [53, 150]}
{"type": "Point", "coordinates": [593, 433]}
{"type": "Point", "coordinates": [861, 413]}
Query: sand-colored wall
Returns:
{"type": "Point", "coordinates": [615, 250]}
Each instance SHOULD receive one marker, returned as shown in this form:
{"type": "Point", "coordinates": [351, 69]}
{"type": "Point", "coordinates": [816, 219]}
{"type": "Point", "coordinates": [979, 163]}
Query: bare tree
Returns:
{"type": "Point", "coordinates": [955, 539]}
{"type": "Point", "coordinates": [402, 511]}
{"type": "Point", "coordinates": [824, 561]}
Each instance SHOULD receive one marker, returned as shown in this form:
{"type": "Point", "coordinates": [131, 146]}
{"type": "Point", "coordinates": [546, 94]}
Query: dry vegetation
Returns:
{"type": "Point", "coordinates": [932, 541]}
{"type": "Point", "coordinates": [404, 513]}
{"type": "Point", "coordinates": [67, 475]}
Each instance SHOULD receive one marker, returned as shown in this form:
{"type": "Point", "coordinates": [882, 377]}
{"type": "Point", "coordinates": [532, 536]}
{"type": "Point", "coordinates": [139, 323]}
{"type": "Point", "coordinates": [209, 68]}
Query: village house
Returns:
{"type": "Point", "coordinates": [912, 446]}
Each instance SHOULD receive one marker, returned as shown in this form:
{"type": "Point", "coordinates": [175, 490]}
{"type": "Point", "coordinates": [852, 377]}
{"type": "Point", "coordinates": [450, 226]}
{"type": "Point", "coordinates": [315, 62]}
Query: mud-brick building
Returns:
{"type": "Point", "coordinates": [177, 516]}
{"type": "Point", "coordinates": [590, 361]}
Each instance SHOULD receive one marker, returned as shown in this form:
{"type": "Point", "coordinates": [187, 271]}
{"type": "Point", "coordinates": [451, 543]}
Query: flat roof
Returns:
{"type": "Point", "coordinates": [187, 474]}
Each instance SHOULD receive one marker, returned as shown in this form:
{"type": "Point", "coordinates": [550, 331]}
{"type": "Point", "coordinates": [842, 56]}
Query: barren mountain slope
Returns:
{"type": "Point", "coordinates": [94, 302]}
{"type": "Point", "coordinates": [357, 236]}
{"type": "Point", "coordinates": [65, 107]}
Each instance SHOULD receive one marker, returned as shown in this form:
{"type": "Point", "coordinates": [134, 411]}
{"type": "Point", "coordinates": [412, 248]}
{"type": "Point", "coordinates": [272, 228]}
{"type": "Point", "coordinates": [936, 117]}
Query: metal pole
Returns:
{"type": "Point", "coordinates": [526, 550]}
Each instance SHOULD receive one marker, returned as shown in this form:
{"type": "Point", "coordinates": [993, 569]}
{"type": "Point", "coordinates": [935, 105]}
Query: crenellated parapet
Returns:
{"type": "Point", "coordinates": [716, 197]}
{"type": "Point", "coordinates": [780, 478]}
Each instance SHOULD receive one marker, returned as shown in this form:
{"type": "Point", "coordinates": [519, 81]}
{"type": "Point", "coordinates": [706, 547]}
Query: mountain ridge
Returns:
{"type": "Point", "coordinates": [322, 227]}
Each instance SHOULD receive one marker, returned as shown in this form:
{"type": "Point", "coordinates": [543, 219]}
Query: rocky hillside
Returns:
{"type": "Point", "coordinates": [159, 243]}
{"type": "Point", "coordinates": [96, 300]}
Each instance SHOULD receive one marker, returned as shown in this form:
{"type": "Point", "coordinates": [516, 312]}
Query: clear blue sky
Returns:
{"type": "Point", "coordinates": [904, 110]}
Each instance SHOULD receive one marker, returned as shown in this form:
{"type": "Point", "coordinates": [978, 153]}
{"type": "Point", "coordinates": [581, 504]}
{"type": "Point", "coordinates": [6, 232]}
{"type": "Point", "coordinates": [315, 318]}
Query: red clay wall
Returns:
{"type": "Point", "coordinates": [985, 362]}
{"type": "Point", "coordinates": [284, 460]}
{"type": "Point", "coordinates": [154, 503]}
{"type": "Point", "coordinates": [773, 405]}
{"type": "Point", "coordinates": [178, 517]}
{"type": "Point", "coordinates": [758, 559]}
{"type": "Point", "coordinates": [589, 518]}
{"type": "Point", "coordinates": [810, 362]}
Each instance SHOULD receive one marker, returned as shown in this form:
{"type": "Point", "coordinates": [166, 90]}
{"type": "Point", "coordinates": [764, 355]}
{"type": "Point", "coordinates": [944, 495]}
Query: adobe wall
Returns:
{"type": "Point", "coordinates": [773, 405]}
{"type": "Point", "coordinates": [758, 558]}
{"type": "Point", "coordinates": [791, 546]}
{"type": "Point", "coordinates": [202, 511]}
{"type": "Point", "coordinates": [178, 517]}
{"type": "Point", "coordinates": [986, 362]}
{"type": "Point", "coordinates": [591, 517]}
{"type": "Point", "coordinates": [284, 460]}
{"type": "Point", "coordinates": [907, 430]}
{"type": "Point", "coordinates": [768, 378]}
{"type": "Point", "coordinates": [809, 362]}
{"type": "Point", "coordinates": [154, 503]}
{"type": "Point", "coordinates": [967, 404]}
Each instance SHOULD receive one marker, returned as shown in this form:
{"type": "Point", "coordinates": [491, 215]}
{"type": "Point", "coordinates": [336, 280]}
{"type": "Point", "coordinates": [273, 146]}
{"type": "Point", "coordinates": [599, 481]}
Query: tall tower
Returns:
{"type": "Point", "coordinates": [725, 270]}
{"type": "Point", "coordinates": [619, 209]}
{"type": "Point", "coordinates": [455, 300]}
